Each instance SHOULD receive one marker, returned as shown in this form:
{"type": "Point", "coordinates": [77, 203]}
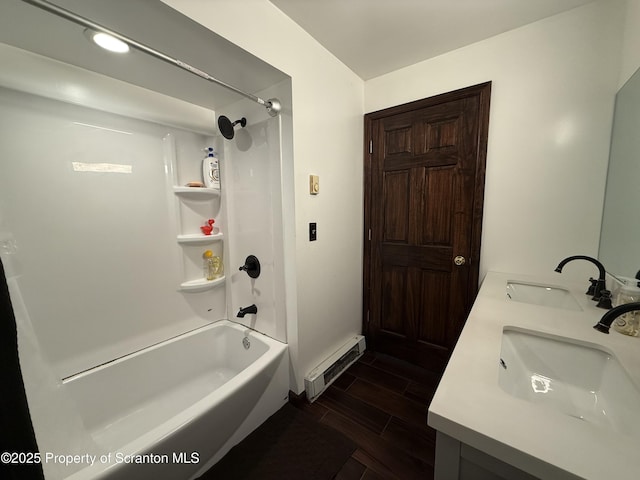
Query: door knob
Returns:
{"type": "Point", "coordinates": [459, 260]}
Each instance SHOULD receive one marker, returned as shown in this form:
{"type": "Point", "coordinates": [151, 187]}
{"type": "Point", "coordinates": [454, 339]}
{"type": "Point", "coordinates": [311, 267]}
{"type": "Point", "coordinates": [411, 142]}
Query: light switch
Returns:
{"type": "Point", "coordinates": [314, 184]}
{"type": "Point", "coordinates": [313, 232]}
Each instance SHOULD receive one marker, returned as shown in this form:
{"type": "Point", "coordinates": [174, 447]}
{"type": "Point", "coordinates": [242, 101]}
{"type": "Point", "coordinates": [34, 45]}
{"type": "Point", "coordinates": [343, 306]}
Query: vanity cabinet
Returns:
{"type": "Point", "coordinates": [566, 410]}
{"type": "Point", "coordinates": [458, 461]}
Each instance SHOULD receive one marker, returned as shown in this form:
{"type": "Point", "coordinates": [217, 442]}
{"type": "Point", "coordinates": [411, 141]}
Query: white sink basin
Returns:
{"type": "Point", "coordinates": [579, 380]}
{"type": "Point", "coordinates": [545, 295]}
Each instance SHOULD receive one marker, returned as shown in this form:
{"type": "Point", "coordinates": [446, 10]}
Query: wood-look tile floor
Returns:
{"type": "Point", "coordinates": [381, 403]}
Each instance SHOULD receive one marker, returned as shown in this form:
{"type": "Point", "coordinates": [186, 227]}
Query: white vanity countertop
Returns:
{"type": "Point", "coordinates": [470, 406]}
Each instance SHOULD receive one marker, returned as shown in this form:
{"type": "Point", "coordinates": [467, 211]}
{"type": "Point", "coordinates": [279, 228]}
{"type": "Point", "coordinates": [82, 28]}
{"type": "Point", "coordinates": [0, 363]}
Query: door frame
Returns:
{"type": "Point", "coordinates": [483, 92]}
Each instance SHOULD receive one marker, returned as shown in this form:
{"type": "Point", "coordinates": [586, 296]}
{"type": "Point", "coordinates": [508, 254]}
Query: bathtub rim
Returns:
{"type": "Point", "coordinates": [163, 343]}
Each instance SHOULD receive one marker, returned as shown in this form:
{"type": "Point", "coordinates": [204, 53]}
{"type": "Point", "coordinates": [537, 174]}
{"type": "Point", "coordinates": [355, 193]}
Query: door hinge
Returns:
{"type": "Point", "coordinates": [370, 146]}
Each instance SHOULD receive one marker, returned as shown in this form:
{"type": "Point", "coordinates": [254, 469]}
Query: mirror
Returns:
{"type": "Point", "coordinates": [620, 232]}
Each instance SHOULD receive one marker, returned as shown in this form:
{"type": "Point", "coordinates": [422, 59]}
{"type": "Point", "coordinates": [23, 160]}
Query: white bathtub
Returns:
{"type": "Point", "coordinates": [176, 407]}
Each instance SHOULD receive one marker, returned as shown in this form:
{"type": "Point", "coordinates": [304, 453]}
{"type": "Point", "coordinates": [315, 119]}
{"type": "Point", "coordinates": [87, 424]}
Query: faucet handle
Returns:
{"type": "Point", "coordinates": [605, 300]}
{"type": "Point", "coordinates": [600, 287]}
{"type": "Point", "coordinates": [592, 288]}
{"type": "Point", "coordinates": [251, 266]}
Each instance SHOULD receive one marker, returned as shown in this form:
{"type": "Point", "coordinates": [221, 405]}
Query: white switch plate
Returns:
{"type": "Point", "coordinates": [314, 184]}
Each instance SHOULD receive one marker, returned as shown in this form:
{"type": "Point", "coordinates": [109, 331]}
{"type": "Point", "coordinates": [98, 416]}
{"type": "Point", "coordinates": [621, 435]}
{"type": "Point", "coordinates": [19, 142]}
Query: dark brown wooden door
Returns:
{"type": "Point", "coordinates": [423, 213]}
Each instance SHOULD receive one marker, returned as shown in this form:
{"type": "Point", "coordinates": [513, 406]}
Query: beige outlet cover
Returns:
{"type": "Point", "coordinates": [314, 184]}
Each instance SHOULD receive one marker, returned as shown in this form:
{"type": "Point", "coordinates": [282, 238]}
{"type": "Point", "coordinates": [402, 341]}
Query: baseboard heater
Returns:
{"type": "Point", "coordinates": [325, 374]}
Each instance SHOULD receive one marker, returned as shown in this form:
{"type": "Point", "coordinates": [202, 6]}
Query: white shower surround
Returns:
{"type": "Point", "coordinates": [251, 168]}
{"type": "Point", "coordinates": [96, 254]}
{"type": "Point", "coordinates": [58, 344]}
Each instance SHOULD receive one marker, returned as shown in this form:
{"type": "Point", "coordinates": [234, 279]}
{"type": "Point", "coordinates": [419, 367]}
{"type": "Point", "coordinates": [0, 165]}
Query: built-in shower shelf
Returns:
{"type": "Point", "coordinates": [197, 238]}
{"type": "Point", "coordinates": [196, 192]}
{"type": "Point", "coordinates": [201, 284]}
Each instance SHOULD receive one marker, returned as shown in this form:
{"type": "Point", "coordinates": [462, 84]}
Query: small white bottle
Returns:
{"type": "Point", "coordinates": [211, 170]}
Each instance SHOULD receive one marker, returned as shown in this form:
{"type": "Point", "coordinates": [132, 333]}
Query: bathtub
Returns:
{"type": "Point", "coordinates": [172, 410]}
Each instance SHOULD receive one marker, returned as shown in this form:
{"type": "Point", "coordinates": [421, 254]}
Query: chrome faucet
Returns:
{"type": "Point", "coordinates": [607, 319]}
{"type": "Point", "coordinates": [597, 286]}
{"type": "Point", "coordinates": [250, 309]}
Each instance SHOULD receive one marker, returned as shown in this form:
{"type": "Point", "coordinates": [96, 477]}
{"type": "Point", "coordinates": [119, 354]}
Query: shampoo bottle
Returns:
{"type": "Point", "coordinates": [211, 170]}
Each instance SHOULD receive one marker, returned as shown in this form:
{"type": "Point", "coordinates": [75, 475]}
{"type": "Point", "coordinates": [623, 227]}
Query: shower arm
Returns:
{"type": "Point", "coordinates": [272, 105]}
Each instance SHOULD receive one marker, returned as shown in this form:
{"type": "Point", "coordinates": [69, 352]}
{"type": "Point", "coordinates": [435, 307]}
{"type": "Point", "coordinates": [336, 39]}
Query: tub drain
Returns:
{"type": "Point", "coordinates": [246, 343]}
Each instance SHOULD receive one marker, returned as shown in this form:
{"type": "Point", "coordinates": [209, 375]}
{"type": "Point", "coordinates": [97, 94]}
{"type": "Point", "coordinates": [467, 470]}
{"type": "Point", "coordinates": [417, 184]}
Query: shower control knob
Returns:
{"type": "Point", "coordinates": [251, 266]}
{"type": "Point", "coordinates": [459, 260]}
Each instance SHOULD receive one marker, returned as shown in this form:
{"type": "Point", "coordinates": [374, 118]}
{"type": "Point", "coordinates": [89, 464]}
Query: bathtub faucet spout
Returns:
{"type": "Point", "coordinates": [250, 309]}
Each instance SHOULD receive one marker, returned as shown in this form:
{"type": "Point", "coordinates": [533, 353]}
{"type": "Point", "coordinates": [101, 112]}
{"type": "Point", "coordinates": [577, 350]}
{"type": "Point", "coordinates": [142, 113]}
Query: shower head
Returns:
{"type": "Point", "coordinates": [226, 127]}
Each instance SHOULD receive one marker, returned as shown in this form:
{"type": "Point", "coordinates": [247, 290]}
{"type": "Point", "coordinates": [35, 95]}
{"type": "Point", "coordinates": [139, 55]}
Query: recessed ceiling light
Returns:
{"type": "Point", "coordinates": [108, 42]}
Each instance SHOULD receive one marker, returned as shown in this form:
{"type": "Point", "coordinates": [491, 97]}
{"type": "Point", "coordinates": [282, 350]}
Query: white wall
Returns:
{"type": "Point", "coordinates": [554, 83]}
{"type": "Point", "coordinates": [327, 141]}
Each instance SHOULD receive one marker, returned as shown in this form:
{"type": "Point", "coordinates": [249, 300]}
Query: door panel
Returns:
{"type": "Point", "coordinates": [398, 140]}
{"type": "Point", "coordinates": [423, 207]}
{"type": "Point", "coordinates": [394, 280]}
{"type": "Point", "coordinates": [396, 191]}
{"type": "Point", "coordinates": [437, 206]}
{"type": "Point", "coordinates": [435, 298]}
